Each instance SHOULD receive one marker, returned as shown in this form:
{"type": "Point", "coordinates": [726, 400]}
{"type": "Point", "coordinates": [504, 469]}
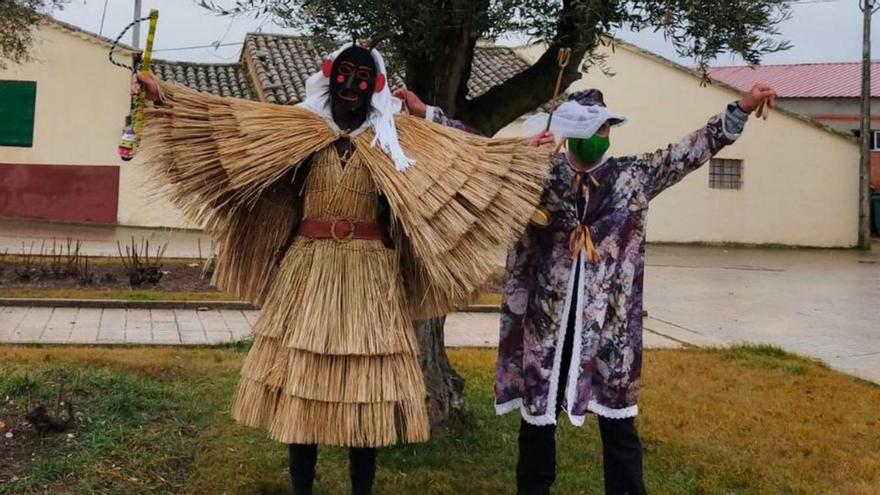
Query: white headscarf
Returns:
{"type": "Point", "coordinates": [383, 106]}
{"type": "Point", "coordinates": [572, 120]}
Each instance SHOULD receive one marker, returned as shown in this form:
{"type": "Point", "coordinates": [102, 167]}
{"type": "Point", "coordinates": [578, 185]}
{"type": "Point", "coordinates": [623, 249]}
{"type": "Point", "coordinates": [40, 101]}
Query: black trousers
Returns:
{"type": "Point", "coordinates": [361, 468]}
{"type": "Point", "coordinates": [621, 447]}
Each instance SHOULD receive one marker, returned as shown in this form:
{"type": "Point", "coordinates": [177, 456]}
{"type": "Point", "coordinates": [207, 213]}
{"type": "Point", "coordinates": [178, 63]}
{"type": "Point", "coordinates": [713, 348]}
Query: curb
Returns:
{"type": "Point", "coordinates": [197, 305]}
{"type": "Point", "coordinates": [123, 303]}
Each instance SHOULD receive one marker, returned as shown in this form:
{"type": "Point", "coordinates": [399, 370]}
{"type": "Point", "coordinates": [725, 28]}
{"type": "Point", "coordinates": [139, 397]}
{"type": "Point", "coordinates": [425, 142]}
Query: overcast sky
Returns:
{"type": "Point", "coordinates": [821, 31]}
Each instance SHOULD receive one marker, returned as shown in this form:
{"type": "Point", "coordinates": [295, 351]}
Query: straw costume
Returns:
{"type": "Point", "coordinates": [334, 358]}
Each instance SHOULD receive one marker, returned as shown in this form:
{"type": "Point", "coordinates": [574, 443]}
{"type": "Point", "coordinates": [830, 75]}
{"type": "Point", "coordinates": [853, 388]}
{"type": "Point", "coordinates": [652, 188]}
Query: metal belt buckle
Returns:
{"type": "Point", "coordinates": [347, 237]}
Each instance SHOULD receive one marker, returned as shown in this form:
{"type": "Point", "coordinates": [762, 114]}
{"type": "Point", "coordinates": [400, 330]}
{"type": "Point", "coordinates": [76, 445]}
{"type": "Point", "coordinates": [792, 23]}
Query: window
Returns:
{"type": "Point", "coordinates": [17, 102]}
{"type": "Point", "coordinates": [875, 138]}
{"type": "Point", "coordinates": [725, 173]}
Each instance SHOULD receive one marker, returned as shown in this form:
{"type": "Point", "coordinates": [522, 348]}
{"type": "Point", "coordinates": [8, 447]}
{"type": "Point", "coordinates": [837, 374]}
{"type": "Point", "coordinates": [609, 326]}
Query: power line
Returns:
{"type": "Point", "coordinates": [212, 45]}
{"type": "Point", "coordinates": [103, 15]}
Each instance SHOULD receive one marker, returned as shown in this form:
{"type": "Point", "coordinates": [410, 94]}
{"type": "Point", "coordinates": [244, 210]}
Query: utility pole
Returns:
{"type": "Point", "coordinates": [868, 8]}
{"type": "Point", "coordinates": [136, 30]}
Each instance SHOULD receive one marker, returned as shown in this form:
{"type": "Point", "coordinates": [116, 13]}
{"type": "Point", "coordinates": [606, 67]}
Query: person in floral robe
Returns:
{"type": "Point", "coordinates": [571, 314]}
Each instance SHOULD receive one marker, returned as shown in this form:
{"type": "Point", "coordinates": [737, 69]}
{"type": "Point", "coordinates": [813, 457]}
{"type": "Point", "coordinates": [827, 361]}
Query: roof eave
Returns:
{"type": "Point", "coordinates": [715, 82]}
{"type": "Point", "coordinates": [88, 35]}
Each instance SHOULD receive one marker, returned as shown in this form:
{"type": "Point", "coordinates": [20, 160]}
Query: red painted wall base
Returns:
{"type": "Point", "coordinates": [65, 193]}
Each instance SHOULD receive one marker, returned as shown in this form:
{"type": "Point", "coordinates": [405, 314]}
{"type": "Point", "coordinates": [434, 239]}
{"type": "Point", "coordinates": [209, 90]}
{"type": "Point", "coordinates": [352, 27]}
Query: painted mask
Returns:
{"type": "Point", "coordinates": [353, 80]}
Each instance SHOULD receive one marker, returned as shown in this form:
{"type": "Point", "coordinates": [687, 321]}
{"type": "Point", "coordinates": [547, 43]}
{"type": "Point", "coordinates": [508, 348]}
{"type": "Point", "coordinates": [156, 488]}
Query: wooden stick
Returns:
{"type": "Point", "coordinates": [145, 69]}
{"type": "Point", "coordinates": [763, 110]}
{"type": "Point", "coordinates": [563, 56]}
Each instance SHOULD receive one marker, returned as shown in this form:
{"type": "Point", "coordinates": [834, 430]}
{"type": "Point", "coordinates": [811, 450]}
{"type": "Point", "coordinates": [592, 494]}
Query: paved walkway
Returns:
{"type": "Point", "coordinates": [192, 327]}
{"type": "Point", "coordinates": [819, 303]}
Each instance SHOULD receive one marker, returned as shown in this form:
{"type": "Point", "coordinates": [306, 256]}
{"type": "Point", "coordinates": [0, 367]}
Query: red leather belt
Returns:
{"type": "Point", "coordinates": [340, 229]}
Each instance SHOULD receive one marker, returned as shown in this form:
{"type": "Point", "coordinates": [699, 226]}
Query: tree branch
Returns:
{"type": "Point", "coordinates": [579, 28]}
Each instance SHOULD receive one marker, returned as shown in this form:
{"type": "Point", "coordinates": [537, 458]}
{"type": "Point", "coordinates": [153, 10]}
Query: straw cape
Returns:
{"type": "Point", "coordinates": [334, 359]}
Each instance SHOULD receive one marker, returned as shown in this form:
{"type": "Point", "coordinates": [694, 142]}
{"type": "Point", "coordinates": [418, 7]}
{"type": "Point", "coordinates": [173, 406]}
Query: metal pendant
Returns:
{"type": "Point", "coordinates": [541, 218]}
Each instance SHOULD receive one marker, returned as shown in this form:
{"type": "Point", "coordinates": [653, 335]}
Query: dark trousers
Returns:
{"type": "Point", "coordinates": [621, 447]}
{"type": "Point", "coordinates": [361, 468]}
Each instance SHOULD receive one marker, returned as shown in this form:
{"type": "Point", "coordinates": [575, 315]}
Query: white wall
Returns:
{"type": "Point", "coordinates": [800, 182]}
{"type": "Point", "coordinates": [81, 101]}
{"type": "Point", "coordinates": [81, 104]}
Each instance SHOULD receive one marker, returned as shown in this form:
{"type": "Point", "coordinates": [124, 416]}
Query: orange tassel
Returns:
{"type": "Point", "coordinates": [581, 239]}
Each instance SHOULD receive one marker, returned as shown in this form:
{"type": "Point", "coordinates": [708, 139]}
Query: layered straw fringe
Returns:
{"type": "Point", "coordinates": [335, 359]}
{"type": "Point", "coordinates": [459, 208]}
{"type": "Point", "coordinates": [209, 152]}
{"type": "Point", "coordinates": [338, 299]}
{"type": "Point", "coordinates": [290, 419]}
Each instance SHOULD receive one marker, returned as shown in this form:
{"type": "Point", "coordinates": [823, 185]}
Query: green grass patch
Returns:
{"type": "Point", "coordinates": [772, 358]}
{"type": "Point", "coordinates": [155, 421]}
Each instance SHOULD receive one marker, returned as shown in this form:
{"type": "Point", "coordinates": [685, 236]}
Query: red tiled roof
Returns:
{"type": "Point", "coordinates": [831, 80]}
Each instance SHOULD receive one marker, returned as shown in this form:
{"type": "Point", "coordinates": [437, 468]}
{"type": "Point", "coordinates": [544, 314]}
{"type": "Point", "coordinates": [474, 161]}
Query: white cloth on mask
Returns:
{"type": "Point", "coordinates": [383, 106]}
{"type": "Point", "coordinates": [572, 120]}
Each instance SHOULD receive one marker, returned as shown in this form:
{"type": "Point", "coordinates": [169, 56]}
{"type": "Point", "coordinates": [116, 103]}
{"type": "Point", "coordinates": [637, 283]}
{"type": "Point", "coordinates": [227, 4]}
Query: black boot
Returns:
{"type": "Point", "coordinates": [362, 469]}
{"type": "Point", "coordinates": [302, 467]}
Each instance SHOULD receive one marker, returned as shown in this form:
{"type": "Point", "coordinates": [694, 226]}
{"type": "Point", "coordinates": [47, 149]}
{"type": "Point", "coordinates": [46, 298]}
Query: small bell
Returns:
{"type": "Point", "coordinates": [127, 143]}
{"type": "Point", "coordinates": [541, 218]}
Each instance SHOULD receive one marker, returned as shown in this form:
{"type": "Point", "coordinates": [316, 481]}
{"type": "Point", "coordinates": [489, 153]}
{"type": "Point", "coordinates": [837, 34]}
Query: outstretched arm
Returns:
{"type": "Point", "coordinates": [418, 108]}
{"type": "Point", "coordinates": [666, 167]}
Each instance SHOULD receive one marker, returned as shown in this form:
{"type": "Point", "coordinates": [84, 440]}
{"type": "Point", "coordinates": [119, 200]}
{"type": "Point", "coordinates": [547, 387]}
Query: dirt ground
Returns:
{"type": "Point", "coordinates": [16, 446]}
{"type": "Point", "coordinates": [177, 276]}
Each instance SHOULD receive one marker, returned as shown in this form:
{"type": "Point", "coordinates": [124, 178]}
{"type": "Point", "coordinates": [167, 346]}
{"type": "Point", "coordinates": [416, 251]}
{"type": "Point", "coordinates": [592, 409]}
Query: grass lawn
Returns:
{"type": "Point", "coordinates": [750, 420]}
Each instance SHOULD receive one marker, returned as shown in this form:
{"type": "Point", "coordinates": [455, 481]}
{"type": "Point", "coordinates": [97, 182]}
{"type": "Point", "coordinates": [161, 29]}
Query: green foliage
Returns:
{"type": "Point", "coordinates": [698, 29]}
{"type": "Point", "coordinates": [704, 30]}
{"type": "Point", "coordinates": [17, 19]}
{"type": "Point", "coordinates": [434, 40]}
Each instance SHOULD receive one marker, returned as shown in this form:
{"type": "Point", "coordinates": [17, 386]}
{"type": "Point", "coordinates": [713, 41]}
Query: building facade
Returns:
{"type": "Point", "coordinates": [829, 93]}
{"type": "Point", "coordinates": [61, 115]}
{"type": "Point", "coordinates": [787, 181]}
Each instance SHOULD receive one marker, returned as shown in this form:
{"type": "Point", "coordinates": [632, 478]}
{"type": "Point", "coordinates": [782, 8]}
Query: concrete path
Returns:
{"type": "Point", "coordinates": [192, 327]}
{"type": "Point", "coordinates": [819, 303]}
{"type": "Point", "coordinates": [98, 240]}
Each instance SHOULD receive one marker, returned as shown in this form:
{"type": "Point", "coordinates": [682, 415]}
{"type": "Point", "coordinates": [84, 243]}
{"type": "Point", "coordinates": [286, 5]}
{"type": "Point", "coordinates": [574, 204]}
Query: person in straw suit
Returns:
{"type": "Point", "coordinates": [344, 220]}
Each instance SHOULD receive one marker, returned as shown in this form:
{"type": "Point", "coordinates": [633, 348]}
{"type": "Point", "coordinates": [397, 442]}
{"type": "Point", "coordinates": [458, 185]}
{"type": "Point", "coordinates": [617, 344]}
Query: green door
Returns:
{"type": "Point", "coordinates": [17, 103]}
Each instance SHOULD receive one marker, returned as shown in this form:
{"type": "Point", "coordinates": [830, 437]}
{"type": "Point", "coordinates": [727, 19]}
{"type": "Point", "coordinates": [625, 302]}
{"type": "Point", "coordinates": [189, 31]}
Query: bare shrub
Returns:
{"type": "Point", "coordinates": [140, 267]}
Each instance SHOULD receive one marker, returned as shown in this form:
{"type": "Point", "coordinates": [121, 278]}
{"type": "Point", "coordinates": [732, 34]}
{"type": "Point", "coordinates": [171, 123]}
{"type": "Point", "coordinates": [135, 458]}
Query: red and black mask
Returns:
{"type": "Point", "coordinates": [353, 80]}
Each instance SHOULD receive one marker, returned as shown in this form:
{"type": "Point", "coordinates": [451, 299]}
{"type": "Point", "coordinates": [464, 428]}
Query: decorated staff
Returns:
{"type": "Point", "coordinates": [131, 134]}
{"type": "Point", "coordinates": [345, 220]}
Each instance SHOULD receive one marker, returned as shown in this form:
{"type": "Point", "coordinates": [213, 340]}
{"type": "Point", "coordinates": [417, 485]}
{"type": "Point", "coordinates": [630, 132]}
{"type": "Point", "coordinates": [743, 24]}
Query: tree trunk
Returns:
{"type": "Point", "coordinates": [444, 385]}
{"type": "Point", "coordinates": [440, 75]}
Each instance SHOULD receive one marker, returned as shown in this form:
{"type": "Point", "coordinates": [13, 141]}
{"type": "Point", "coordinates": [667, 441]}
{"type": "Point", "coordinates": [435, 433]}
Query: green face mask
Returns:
{"type": "Point", "coordinates": [589, 151]}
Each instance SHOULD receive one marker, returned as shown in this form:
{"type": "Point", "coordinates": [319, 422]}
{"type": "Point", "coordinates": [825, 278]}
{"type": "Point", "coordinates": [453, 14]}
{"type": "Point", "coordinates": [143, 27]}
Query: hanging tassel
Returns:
{"type": "Point", "coordinates": [581, 239]}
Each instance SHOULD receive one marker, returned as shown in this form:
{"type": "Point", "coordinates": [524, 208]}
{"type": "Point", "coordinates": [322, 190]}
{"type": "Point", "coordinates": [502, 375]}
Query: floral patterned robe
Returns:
{"type": "Point", "coordinates": [605, 374]}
